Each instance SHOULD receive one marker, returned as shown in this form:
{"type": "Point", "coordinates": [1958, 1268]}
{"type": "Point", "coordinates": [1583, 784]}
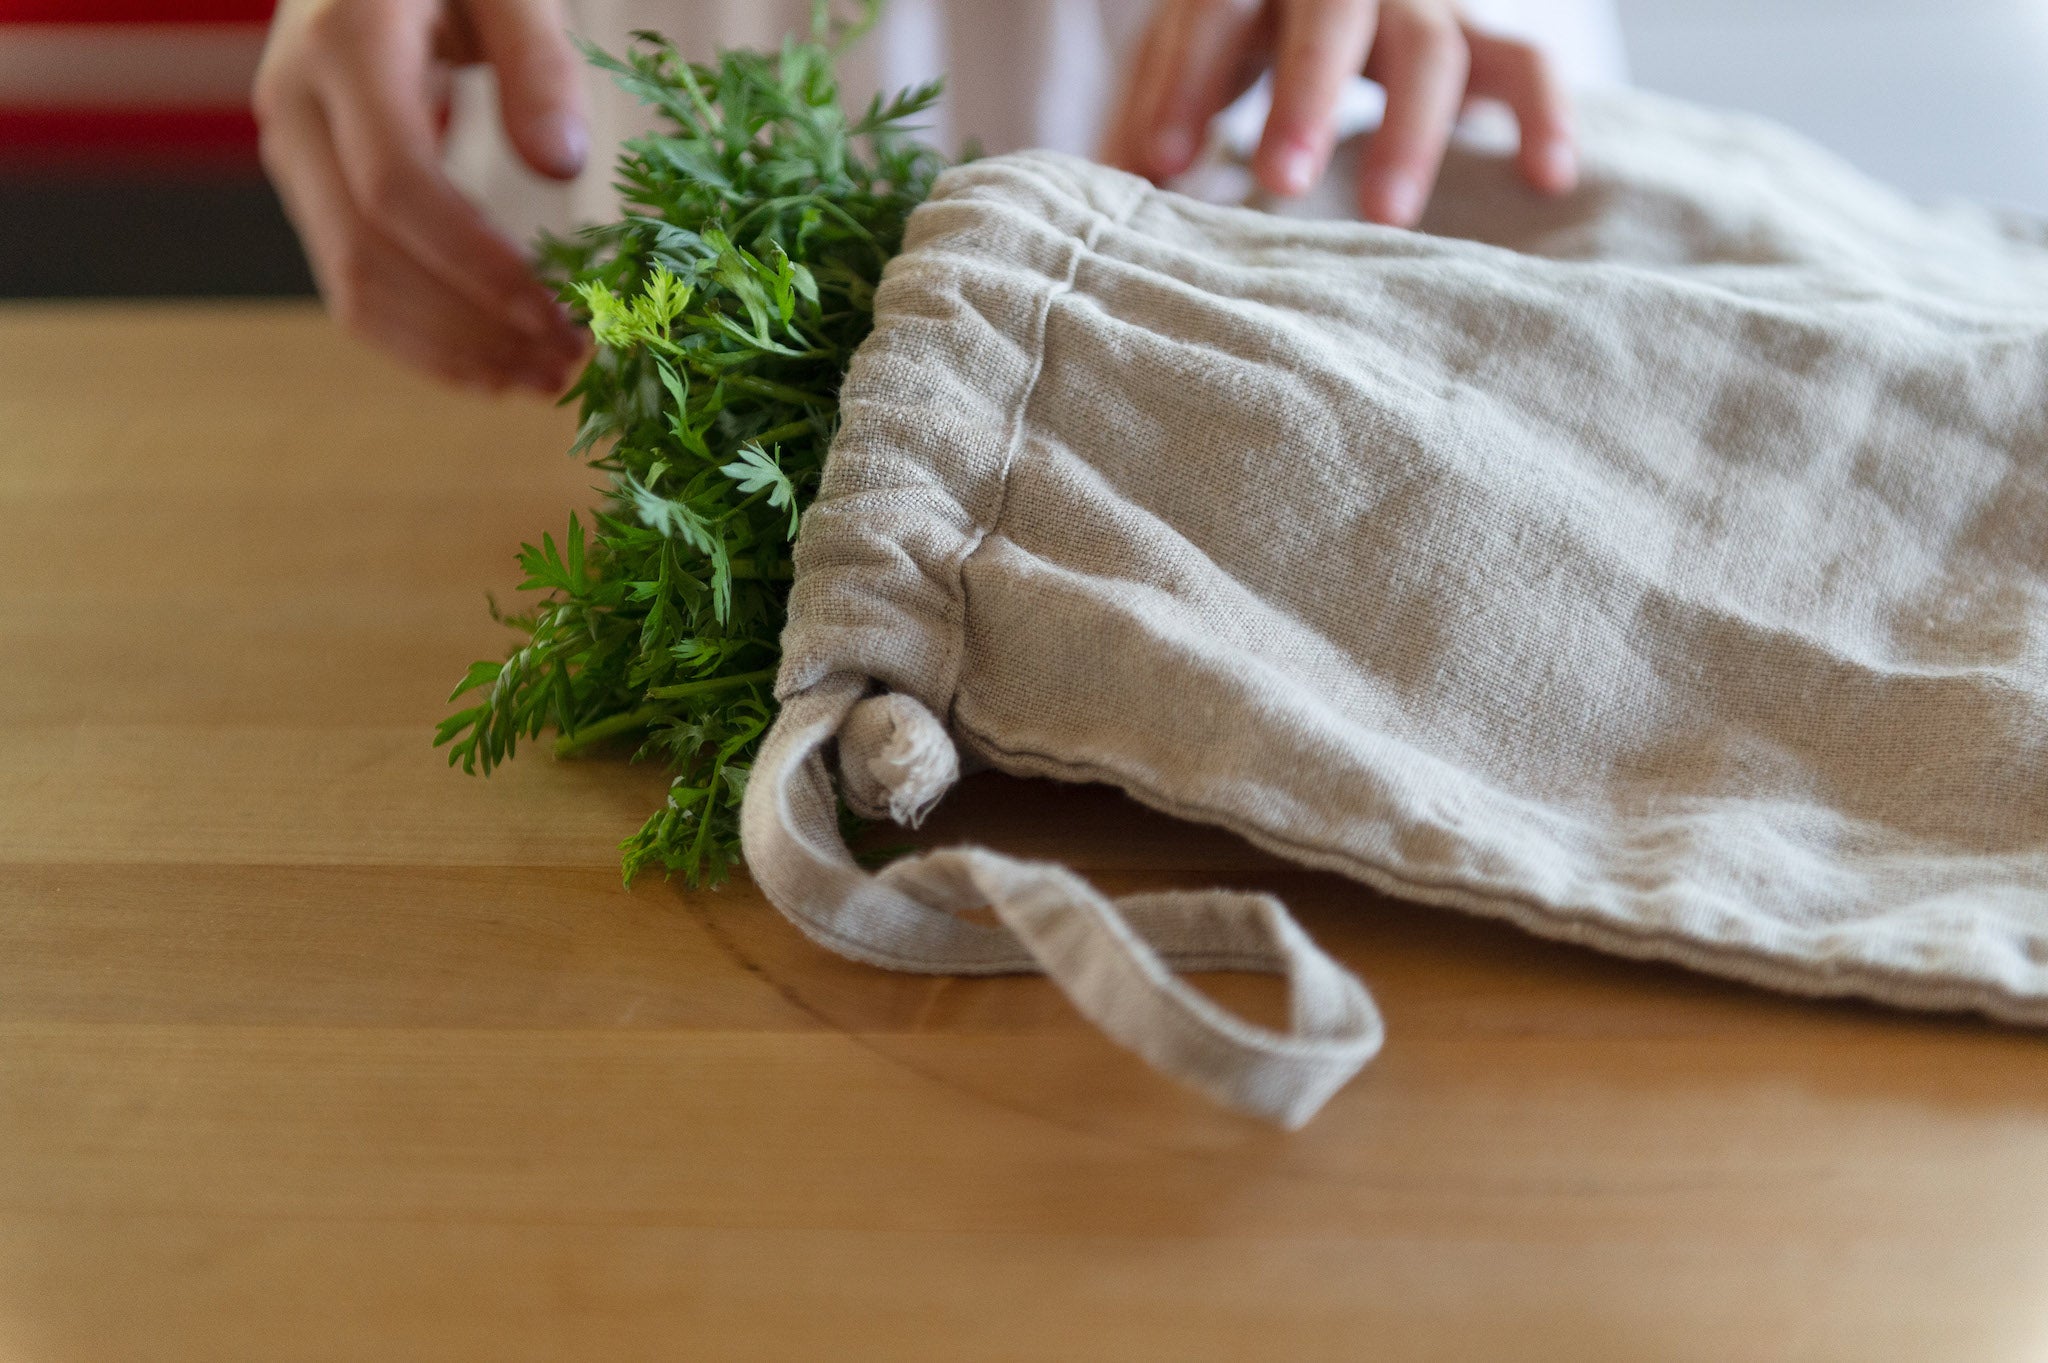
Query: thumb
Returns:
{"type": "Point", "coordinates": [540, 85]}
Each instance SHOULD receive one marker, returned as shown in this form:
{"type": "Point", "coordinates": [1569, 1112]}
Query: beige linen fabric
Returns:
{"type": "Point", "coordinates": [1676, 583]}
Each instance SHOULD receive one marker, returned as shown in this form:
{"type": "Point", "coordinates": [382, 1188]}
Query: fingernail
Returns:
{"type": "Point", "coordinates": [1560, 166]}
{"type": "Point", "coordinates": [1295, 169]}
{"type": "Point", "coordinates": [1400, 201]}
{"type": "Point", "coordinates": [562, 142]}
{"type": "Point", "coordinates": [1172, 148]}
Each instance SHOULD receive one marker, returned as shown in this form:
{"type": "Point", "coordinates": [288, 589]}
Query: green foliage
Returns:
{"type": "Point", "coordinates": [725, 304]}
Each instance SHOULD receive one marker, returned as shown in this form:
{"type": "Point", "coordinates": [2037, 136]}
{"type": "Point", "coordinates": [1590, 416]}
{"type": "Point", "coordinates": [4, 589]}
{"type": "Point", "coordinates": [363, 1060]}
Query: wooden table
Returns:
{"type": "Point", "coordinates": [311, 1048]}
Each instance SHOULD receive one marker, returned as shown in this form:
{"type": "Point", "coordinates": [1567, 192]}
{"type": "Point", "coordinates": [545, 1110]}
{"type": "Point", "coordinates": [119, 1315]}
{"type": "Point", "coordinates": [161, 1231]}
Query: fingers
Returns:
{"type": "Point", "coordinates": [1518, 75]}
{"type": "Point", "coordinates": [381, 293]}
{"type": "Point", "coordinates": [1321, 44]}
{"type": "Point", "coordinates": [344, 102]}
{"type": "Point", "coordinates": [371, 68]}
{"type": "Point", "coordinates": [1197, 55]}
{"type": "Point", "coordinates": [540, 94]}
{"type": "Point", "coordinates": [1194, 59]}
{"type": "Point", "coordinates": [1422, 60]}
{"type": "Point", "coordinates": [1123, 140]}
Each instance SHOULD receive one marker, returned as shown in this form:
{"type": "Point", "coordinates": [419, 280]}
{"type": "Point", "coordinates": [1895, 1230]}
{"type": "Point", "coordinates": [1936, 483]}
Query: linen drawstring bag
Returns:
{"type": "Point", "coordinates": [1667, 572]}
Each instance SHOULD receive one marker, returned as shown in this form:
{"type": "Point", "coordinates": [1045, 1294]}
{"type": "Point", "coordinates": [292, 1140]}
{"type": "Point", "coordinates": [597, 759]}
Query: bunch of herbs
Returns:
{"type": "Point", "coordinates": [725, 305]}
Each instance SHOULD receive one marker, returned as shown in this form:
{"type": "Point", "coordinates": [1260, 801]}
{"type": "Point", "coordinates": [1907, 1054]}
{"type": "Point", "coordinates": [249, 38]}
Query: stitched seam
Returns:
{"type": "Point", "coordinates": [1084, 246]}
{"type": "Point", "coordinates": [1821, 978]}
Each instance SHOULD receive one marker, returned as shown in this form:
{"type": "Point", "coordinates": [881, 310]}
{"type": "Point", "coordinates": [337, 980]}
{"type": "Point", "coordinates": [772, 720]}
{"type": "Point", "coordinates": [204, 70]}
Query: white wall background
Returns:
{"type": "Point", "coordinates": [1938, 97]}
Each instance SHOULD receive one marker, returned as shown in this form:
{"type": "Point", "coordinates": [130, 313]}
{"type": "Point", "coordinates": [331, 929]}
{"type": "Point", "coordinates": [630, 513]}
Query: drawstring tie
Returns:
{"type": "Point", "coordinates": [1115, 959]}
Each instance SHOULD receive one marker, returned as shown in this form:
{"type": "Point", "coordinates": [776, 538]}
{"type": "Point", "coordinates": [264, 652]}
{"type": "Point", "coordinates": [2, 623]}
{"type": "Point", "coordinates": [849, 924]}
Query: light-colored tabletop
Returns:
{"type": "Point", "coordinates": [311, 1048]}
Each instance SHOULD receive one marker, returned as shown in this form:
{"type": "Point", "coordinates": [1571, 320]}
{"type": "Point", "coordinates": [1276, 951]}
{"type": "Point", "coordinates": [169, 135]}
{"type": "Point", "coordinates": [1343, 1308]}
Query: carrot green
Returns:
{"type": "Point", "coordinates": [725, 304]}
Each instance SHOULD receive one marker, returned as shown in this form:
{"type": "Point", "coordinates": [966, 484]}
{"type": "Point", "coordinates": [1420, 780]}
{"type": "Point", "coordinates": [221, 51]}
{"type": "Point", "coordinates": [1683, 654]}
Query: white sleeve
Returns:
{"type": "Point", "coordinates": [1583, 37]}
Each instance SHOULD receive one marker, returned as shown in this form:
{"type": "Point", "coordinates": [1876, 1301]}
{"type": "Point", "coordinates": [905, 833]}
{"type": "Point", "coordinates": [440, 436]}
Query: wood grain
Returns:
{"type": "Point", "coordinates": [313, 1049]}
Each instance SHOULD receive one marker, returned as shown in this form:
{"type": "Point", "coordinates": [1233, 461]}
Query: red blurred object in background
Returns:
{"type": "Point", "coordinates": [135, 82]}
{"type": "Point", "coordinates": [135, 11]}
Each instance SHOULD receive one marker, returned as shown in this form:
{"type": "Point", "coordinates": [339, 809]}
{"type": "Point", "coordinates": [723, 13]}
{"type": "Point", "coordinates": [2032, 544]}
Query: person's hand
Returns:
{"type": "Point", "coordinates": [349, 97]}
{"type": "Point", "coordinates": [1199, 55]}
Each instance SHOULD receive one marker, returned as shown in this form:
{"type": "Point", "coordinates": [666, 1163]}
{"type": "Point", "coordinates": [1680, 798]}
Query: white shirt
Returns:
{"type": "Point", "coordinates": [1019, 73]}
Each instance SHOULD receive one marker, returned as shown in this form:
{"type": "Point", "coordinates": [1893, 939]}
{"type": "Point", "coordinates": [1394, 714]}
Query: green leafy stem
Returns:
{"type": "Point", "coordinates": [726, 302]}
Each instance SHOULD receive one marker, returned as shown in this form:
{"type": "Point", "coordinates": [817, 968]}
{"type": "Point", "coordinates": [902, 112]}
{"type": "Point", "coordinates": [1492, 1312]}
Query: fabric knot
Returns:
{"type": "Point", "coordinates": [895, 759]}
